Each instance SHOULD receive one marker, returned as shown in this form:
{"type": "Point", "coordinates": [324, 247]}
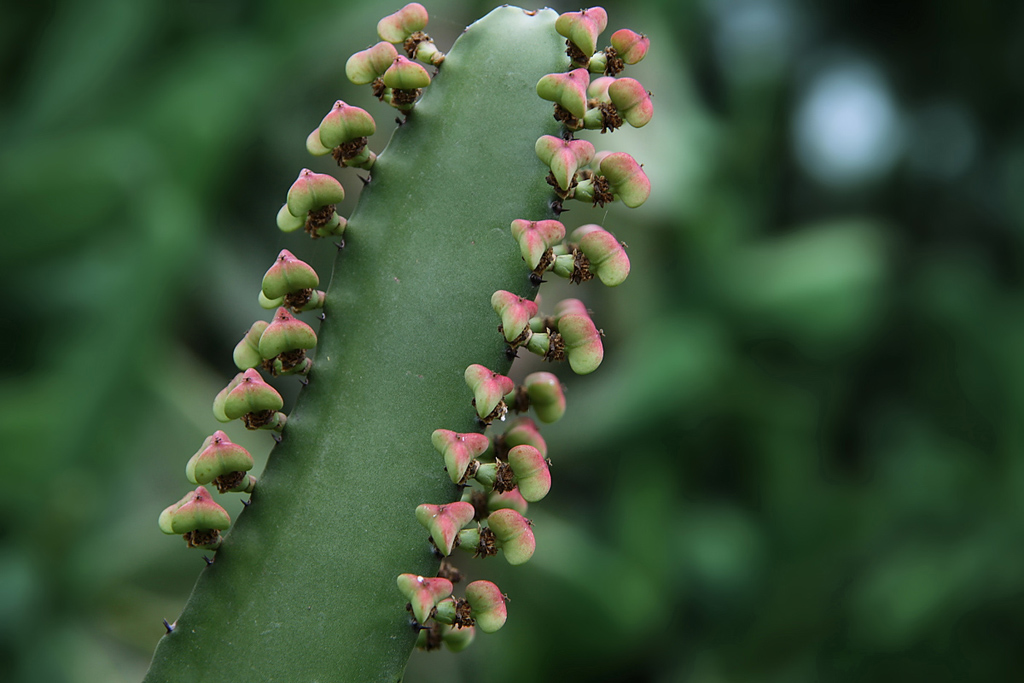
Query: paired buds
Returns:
{"type": "Point", "coordinates": [279, 347]}
{"type": "Point", "coordinates": [459, 451]}
{"type": "Point", "coordinates": [405, 27]}
{"type": "Point", "coordinates": [564, 158]}
{"type": "Point", "coordinates": [569, 93]}
{"type": "Point", "coordinates": [249, 398]}
{"type": "Point", "coordinates": [593, 251]}
{"type": "Point", "coordinates": [536, 239]}
{"type": "Point", "coordinates": [483, 607]}
{"type": "Point", "coordinates": [543, 392]}
{"type": "Point", "coordinates": [223, 463]}
{"type": "Point", "coordinates": [444, 522]}
{"type": "Point", "coordinates": [613, 100]}
{"type": "Point", "coordinates": [619, 176]}
{"type": "Point", "coordinates": [581, 30]}
{"type": "Point", "coordinates": [342, 134]}
{"type": "Point", "coordinates": [526, 470]}
{"type": "Point", "coordinates": [310, 204]}
{"type": "Point", "coordinates": [292, 283]}
{"type": "Point", "coordinates": [506, 529]}
{"type": "Point", "coordinates": [196, 517]}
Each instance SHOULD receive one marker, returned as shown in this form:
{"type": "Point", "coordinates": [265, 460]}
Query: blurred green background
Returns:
{"type": "Point", "coordinates": [802, 459]}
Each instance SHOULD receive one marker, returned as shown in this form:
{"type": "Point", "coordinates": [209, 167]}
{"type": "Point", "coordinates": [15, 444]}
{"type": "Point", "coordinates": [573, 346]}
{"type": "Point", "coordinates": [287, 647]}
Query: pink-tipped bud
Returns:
{"type": "Point", "coordinates": [583, 346]}
{"type": "Point", "coordinates": [255, 402]}
{"type": "Point", "coordinates": [489, 390]}
{"type": "Point", "coordinates": [598, 89]}
{"type": "Point", "coordinates": [487, 604]}
{"type": "Point", "coordinates": [247, 352]}
{"type": "Point", "coordinates": [547, 397]}
{"type": "Point", "coordinates": [570, 306]}
{"type": "Point", "coordinates": [423, 593]}
{"type": "Point", "coordinates": [632, 101]}
{"type": "Point", "coordinates": [444, 522]}
{"type": "Point", "coordinates": [312, 191]}
{"type": "Point", "coordinates": [222, 397]}
{"type": "Point", "coordinates": [630, 46]}
{"type": "Point", "coordinates": [583, 28]}
{"type": "Point", "coordinates": [533, 478]}
{"type": "Point", "coordinates": [606, 256]}
{"type": "Point", "coordinates": [197, 517]}
{"type": "Point", "coordinates": [370, 64]}
{"type": "Point", "coordinates": [458, 639]}
{"type": "Point", "coordinates": [220, 461]}
{"type": "Point", "coordinates": [459, 450]}
{"type": "Point", "coordinates": [395, 28]}
{"type": "Point", "coordinates": [405, 74]}
{"type": "Point", "coordinates": [535, 238]}
{"type": "Point", "coordinates": [288, 275]}
{"type": "Point", "coordinates": [564, 157]}
{"type": "Point", "coordinates": [514, 533]}
{"type": "Point", "coordinates": [345, 123]}
{"type": "Point", "coordinates": [286, 333]}
{"type": "Point", "coordinates": [515, 312]}
{"type": "Point", "coordinates": [627, 179]}
{"type": "Point", "coordinates": [569, 90]}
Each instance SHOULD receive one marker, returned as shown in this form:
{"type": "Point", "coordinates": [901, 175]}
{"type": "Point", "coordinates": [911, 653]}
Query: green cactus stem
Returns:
{"type": "Point", "coordinates": [303, 587]}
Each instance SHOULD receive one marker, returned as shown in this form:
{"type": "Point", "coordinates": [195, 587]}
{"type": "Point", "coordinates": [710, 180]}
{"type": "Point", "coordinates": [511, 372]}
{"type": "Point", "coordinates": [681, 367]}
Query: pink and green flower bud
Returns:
{"type": "Point", "coordinates": [630, 46]}
{"type": "Point", "coordinates": [255, 402]}
{"type": "Point", "coordinates": [489, 389]}
{"type": "Point", "coordinates": [196, 517]}
{"type": "Point", "coordinates": [405, 74]}
{"type": "Point", "coordinates": [524, 431]}
{"type": "Point", "coordinates": [458, 639]}
{"type": "Point", "coordinates": [487, 604]}
{"type": "Point", "coordinates": [507, 500]}
{"type": "Point", "coordinates": [626, 178]}
{"type": "Point", "coordinates": [423, 593]}
{"type": "Point", "coordinates": [345, 123]}
{"type": "Point", "coordinates": [247, 352]}
{"type": "Point", "coordinates": [515, 312]}
{"type": "Point", "coordinates": [632, 101]}
{"type": "Point", "coordinates": [370, 64]}
{"type": "Point", "coordinates": [287, 222]}
{"type": "Point", "coordinates": [568, 90]}
{"type": "Point", "coordinates": [514, 534]}
{"type": "Point", "coordinates": [426, 51]}
{"type": "Point", "coordinates": [286, 333]}
{"type": "Point", "coordinates": [533, 478]}
{"type": "Point", "coordinates": [222, 397]}
{"type": "Point", "coordinates": [598, 89]}
{"type": "Point", "coordinates": [312, 191]}
{"type": "Point", "coordinates": [605, 256]}
{"type": "Point", "coordinates": [583, 346]}
{"type": "Point", "coordinates": [535, 238]}
{"type": "Point", "coordinates": [583, 29]}
{"type": "Point", "coordinates": [288, 275]}
{"type": "Point", "coordinates": [459, 450]}
{"type": "Point", "coordinates": [564, 157]}
{"type": "Point", "coordinates": [395, 28]}
{"type": "Point", "coordinates": [547, 398]}
{"type": "Point", "coordinates": [444, 522]}
{"type": "Point", "coordinates": [222, 462]}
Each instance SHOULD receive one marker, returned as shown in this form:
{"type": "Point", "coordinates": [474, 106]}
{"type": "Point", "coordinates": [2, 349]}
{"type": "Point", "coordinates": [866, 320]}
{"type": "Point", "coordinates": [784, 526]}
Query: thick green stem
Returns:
{"type": "Point", "coordinates": [303, 588]}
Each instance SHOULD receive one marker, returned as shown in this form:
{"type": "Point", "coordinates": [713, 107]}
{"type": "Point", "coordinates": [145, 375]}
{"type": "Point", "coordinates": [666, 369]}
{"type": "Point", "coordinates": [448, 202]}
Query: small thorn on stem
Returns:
{"type": "Point", "coordinates": [366, 180]}
{"type": "Point", "coordinates": [322, 316]}
{"type": "Point", "coordinates": [247, 503]}
{"type": "Point", "coordinates": [277, 438]}
{"type": "Point", "coordinates": [304, 381]}
{"type": "Point", "coordinates": [340, 245]}
{"type": "Point", "coordinates": [400, 121]}
{"type": "Point", "coordinates": [168, 626]}
{"type": "Point", "coordinates": [208, 560]}
{"type": "Point", "coordinates": [536, 280]}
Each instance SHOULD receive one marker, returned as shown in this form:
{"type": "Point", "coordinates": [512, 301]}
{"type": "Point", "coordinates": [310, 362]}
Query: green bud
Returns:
{"type": "Point", "coordinates": [547, 398]}
{"type": "Point", "coordinates": [345, 123]}
{"type": "Point", "coordinates": [405, 74]}
{"type": "Point", "coordinates": [533, 478]}
{"type": "Point", "coordinates": [312, 191]}
{"type": "Point", "coordinates": [606, 257]}
{"type": "Point", "coordinates": [583, 346]}
{"type": "Point", "coordinates": [458, 639]}
{"type": "Point", "coordinates": [287, 222]}
{"type": "Point", "coordinates": [221, 398]}
{"type": "Point", "coordinates": [269, 304]}
{"type": "Point", "coordinates": [247, 352]}
{"type": "Point", "coordinates": [523, 430]}
{"type": "Point", "coordinates": [314, 146]}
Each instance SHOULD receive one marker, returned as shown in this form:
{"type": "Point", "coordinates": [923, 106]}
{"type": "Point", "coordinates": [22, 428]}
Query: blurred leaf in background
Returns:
{"type": "Point", "coordinates": [802, 461]}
